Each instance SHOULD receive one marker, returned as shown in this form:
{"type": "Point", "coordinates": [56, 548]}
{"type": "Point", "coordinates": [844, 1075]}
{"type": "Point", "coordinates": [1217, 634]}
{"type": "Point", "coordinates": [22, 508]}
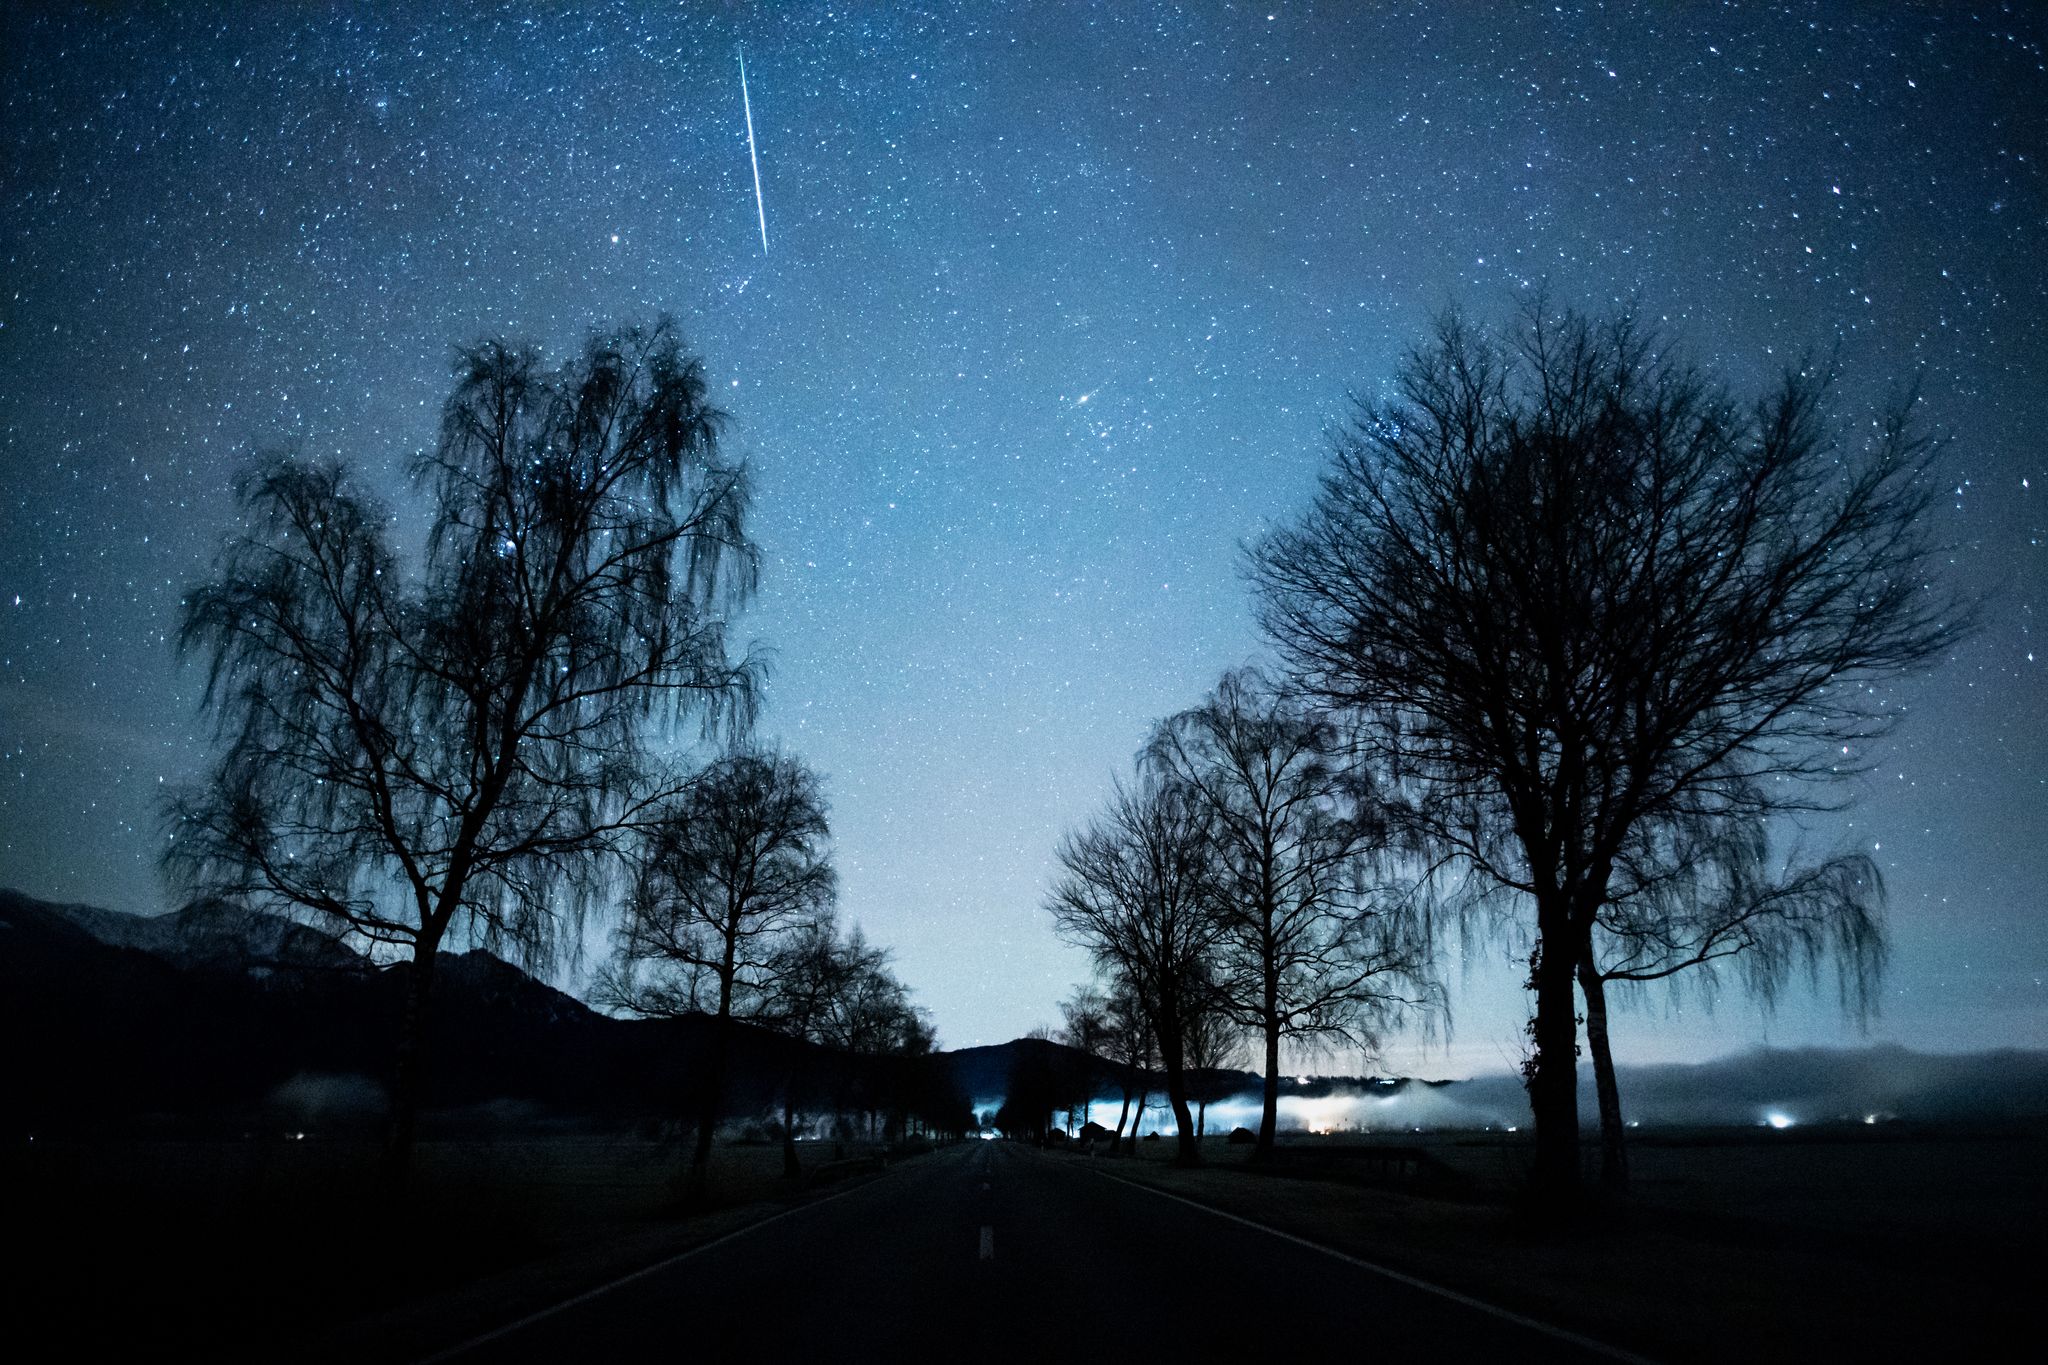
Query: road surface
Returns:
{"type": "Point", "coordinates": [992, 1250]}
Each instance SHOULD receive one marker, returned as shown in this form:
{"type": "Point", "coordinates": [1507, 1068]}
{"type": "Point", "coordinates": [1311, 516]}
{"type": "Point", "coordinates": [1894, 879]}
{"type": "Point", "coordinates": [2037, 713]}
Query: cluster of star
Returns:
{"type": "Point", "coordinates": [1061, 301]}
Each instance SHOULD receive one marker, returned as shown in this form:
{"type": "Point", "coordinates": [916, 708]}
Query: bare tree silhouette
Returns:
{"type": "Point", "coordinates": [1575, 590]}
{"type": "Point", "coordinates": [1139, 894]}
{"type": "Point", "coordinates": [1308, 953]}
{"type": "Point", "coordinates": [818, 971]}
{"type": "Point", "coordinates": [1038, 1086]}
{"type": "Point", "coordinates": [1085, 1027]}
{"type": "Point", "coordinates": [1215, 1041]}
{"type": "Point", "coordinates": [867, 1013]}
{"type": "Point", "coordinates": [406, 755]}
{"type": "Point", "coordinates": [1129, 1045]}
{"type": "Point", "coordinates": [1701, 900]}
{"type": "Point", "coordinates": [730, 873]}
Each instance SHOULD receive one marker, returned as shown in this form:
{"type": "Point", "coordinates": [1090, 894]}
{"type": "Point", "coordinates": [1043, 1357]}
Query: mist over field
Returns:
{"type": "Point", "coordinates": [1765, 1087]}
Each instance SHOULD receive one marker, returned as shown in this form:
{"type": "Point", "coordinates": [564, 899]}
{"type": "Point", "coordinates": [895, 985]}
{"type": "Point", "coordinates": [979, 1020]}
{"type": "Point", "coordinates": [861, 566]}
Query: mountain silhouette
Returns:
{"type": "Point", "coordinates": [207, 936]}
{"type": "Point", "coordinates": [240, 1016]}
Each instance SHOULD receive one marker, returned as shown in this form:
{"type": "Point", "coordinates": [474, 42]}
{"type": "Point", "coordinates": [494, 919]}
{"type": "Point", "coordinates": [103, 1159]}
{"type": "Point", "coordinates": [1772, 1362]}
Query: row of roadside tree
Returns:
{"type": "Point", "coordinates": [1567, 636]}
{"type": "Point", "coordinates": [488, 741]}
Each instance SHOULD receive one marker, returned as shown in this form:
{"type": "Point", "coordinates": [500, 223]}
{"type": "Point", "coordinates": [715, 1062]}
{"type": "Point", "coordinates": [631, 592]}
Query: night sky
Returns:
{"type": "Point", "coordinates": [1057, 305]}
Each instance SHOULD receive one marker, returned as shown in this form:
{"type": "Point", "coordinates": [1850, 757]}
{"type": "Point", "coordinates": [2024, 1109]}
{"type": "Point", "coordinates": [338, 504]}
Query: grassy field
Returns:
{"type": "Point", "coordinates": [234, 1247]}
{"type": "Point", "coordinates": [1736, 1244]}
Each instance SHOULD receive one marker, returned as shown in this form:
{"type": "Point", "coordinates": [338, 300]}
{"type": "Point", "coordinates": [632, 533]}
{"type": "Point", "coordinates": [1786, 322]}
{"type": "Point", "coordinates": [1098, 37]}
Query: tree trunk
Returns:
{"type": "Point", "coordinates": [409, 1082]}
{"type": "Point", "coordinates": [1116, 1139]}
{"type": "Point", "coordinates": [1138, 1118]}
{"type": "Point", "coordinates": [1188, 1154]}
{"type": "Point", "coordinates": [1201, 1118]}
{"type": "Point", "coordinates": [792, 1169]}
{"type": "Point", "coordinates": [697, 1182]}
{"type": "Point", "coordinates": [1269, 1108]}
{"type": "Point", "coordinates": [1613, 1140]}
{"type": "Point", "coordinates": [697, 1185]}
{"type": "Point", "coordinates": [1552, 1074]}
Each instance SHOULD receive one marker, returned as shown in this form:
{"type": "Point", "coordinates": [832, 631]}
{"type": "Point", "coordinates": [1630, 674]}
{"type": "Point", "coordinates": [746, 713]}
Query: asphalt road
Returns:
{"type": "Point", "coordinates": [991, 1251]}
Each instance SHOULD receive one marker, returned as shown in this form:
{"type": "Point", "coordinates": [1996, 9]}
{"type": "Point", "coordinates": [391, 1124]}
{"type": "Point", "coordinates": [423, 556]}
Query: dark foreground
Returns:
{"type": "Point", "coordinates": [1860, 1243]}
{"type": "Point", "coordinates": [990, 1250]}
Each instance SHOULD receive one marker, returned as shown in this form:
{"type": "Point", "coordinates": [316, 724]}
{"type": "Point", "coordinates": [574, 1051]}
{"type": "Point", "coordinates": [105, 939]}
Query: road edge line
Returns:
{"type": "Point", "coordinates": [1549, 1329]}
{"type": "Point", "coordinates": [462, 1348]}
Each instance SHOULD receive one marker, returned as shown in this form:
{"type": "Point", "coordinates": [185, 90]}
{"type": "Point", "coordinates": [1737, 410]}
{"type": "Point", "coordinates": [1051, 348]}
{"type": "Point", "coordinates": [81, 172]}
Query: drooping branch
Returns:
{"type": "Point", "coordinates": [1577, 595]}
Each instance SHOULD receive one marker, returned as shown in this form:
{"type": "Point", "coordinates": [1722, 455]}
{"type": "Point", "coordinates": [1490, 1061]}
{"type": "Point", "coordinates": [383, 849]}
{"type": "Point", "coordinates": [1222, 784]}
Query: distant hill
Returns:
{"type": "Point", "coordinates": [215, 1010]}
{"type": "Point", "coordinates": [207, 936]}
{"type": "Point", "coordinates": [983, 1073]}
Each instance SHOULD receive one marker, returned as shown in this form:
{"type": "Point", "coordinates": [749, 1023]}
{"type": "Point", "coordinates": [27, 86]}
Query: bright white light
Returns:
{"type": "Point", "coordinates": [1778, 1120]}
{"type": "Point", "coordinates": [1333, 1114]}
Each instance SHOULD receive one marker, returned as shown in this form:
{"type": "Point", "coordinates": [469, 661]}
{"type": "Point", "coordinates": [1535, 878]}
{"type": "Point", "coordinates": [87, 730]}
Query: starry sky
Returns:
{"type": "Point", "coordinates": [1058, 304]}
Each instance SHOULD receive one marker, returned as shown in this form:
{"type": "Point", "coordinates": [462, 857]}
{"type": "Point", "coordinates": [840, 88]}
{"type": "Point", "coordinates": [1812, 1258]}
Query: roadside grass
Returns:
{"type": "Point", "coordinates": [258, 1246]}
{"type": "Point", "coordinates": [1736, 1245]}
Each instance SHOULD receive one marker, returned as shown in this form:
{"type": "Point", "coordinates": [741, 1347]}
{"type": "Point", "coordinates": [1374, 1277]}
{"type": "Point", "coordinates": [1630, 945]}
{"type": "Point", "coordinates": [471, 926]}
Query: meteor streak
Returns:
{"type": "Point", "coordinates": [748, 105]}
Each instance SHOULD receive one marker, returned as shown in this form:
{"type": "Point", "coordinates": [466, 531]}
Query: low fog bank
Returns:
{"type": "Point", "coordinates": [1768, 1086]}
{"type": "Point", "coordinates": [1816, 1085]}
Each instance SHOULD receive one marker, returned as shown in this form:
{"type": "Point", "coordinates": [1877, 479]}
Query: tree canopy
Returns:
{"type": "Point", "coordinates": [408, 750]}
{"type": "Point", "coordinates": [1574, 591]}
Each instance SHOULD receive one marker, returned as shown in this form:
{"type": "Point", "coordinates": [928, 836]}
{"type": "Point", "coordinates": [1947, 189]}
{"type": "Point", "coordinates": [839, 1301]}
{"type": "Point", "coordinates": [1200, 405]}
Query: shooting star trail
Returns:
{"type": "Point", "coordinates": [754, 159]}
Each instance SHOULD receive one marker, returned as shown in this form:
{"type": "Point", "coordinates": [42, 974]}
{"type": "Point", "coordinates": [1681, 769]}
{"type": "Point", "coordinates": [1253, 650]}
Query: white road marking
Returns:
{"type": "Point", "coordinates": [1584, 1343]}
{"type": "Point", "coordinates": [988, 1244]}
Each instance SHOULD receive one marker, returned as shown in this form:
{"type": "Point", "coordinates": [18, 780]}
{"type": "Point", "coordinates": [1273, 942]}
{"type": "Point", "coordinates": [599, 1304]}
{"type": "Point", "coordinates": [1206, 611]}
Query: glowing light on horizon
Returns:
{"type": "Point", "coordinates": [1776, 1119]}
